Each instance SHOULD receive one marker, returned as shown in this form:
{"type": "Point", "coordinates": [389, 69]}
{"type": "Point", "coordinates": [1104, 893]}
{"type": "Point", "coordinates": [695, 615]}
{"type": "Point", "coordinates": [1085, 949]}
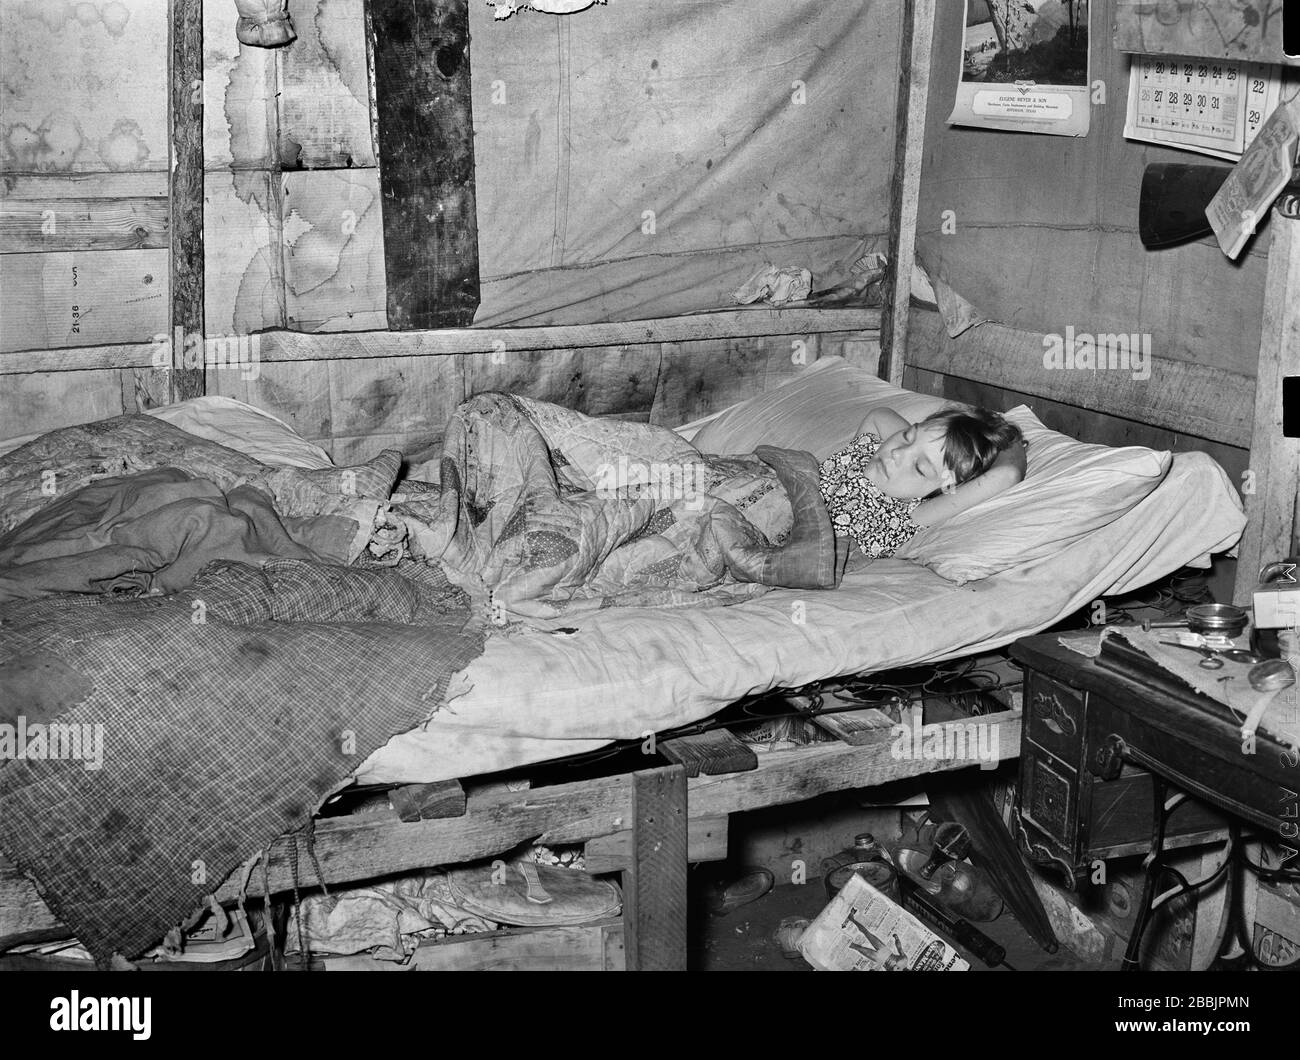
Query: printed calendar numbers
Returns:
{"type": "Point", "coordinates": [1212, 106]}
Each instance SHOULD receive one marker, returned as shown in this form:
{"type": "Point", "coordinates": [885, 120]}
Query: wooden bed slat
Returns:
{"type": "Point", "coordinates": [712, 752]}
{"type": "Point", "coordinates": [706, 840]}
{"type": "Point", "coordinates": [855, 727]}
{"type": "Point", "coordinates": [818, 769]}
{"type": "Point", "coordinates": [595, 947]}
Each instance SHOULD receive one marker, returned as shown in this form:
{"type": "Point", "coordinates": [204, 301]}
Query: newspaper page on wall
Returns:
{"type": "Point", "coordinates": [862, 930]}
{"type": "Point", "coordinates": [1024, 67]}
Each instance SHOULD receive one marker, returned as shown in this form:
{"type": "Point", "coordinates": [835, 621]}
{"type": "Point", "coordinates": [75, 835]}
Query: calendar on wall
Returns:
{"type": "Point", "coordinates": [1214, 106]}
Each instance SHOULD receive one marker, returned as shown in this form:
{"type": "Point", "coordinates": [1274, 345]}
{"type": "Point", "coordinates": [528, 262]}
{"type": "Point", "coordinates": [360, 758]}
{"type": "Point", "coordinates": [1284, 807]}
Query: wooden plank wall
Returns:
{"type": "Point", "coordinates": [1040, 232]}
{"type": "Point", "coordinates": [357, 407]}
{"type": "Point", "coordinates": [425, 140]}
{"type": "Point", "coordinates": [83, 194]}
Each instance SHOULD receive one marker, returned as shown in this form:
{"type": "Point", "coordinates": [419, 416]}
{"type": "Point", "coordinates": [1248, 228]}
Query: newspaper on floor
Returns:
{"type": "Point", "coordinates": [864, 931]}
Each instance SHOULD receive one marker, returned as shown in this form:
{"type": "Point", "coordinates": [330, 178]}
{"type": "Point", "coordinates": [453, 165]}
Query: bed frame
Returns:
{"type": "Point", "coordinates": [646, 826]}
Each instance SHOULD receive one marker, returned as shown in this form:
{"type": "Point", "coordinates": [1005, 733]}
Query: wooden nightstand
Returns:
{"type": "Point", "coordinates": [1106, 759]}
{"type": "Point", "coordinates": [1080, 803]}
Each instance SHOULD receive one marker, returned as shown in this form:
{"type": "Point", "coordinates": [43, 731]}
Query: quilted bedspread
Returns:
{"type": "Point", "coordinates": [551, 513]}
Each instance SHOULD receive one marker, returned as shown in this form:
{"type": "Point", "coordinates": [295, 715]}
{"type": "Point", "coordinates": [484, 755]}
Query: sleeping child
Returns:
{"type": "Point", "coordinates": [896, 477]}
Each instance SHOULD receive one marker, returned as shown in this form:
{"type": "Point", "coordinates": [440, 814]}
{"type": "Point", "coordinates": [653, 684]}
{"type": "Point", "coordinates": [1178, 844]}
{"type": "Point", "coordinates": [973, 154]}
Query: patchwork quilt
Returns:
{"type": "Point", "coordinates": [550, 512]}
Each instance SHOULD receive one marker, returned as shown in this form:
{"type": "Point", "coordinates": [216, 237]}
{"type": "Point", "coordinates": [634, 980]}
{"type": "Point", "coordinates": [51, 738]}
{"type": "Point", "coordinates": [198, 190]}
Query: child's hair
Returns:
{"type": "Point", "coordinates": [972, 440]}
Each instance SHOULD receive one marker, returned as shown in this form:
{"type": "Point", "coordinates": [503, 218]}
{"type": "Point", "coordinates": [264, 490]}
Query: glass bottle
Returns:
{"type": "Point", "coordinates": [866, 857]}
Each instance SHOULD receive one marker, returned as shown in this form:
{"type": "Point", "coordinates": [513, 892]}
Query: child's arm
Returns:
{"type": "Point", "coordinates": [882, 423]}
{"type": "Point", "coordinates": [1003, 473]}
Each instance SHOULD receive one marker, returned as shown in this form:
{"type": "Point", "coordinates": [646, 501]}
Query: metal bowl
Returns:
{"type": "Point", "coordinates": [1221, 619]}
{"type": "Point", "coordinates": [1271, 675]}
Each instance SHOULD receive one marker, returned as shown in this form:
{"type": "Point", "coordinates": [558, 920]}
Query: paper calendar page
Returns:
{"type": "Point", "coordinates": [1024, 67]}
{"type": "Point", "coordinates": [1212, 106]}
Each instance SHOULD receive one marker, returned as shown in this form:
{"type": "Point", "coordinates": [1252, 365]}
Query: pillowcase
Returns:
{"type": "Point", "coordinates": [818, 411]}
{"type": "Point", "coordinates": [1070, 489]}
{"type": "Point", "coordinates": [244, 428]}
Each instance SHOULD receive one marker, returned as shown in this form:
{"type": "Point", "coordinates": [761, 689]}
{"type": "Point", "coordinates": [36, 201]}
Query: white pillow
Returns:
{"type": "Point", "coordinates": [244, 428]}
{"type": "Point", "coordinates": [1070, 489]}
{"type": "Point", "coordinates": [818, 411]}
{"type": "Point", "coordinates": [234, 424]}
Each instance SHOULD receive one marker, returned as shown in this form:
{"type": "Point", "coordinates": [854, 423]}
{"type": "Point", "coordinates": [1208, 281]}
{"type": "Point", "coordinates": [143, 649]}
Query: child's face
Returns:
{"type": "Point", "coordinates": [909, 463]}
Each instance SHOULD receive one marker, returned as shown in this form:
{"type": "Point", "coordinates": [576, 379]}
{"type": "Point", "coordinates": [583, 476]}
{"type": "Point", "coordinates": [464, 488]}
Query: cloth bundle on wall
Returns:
{"type": "Point", "coordinates": [776, 286]}
{"type": "Point", "coordinates": [264, 23]}
{"type": "Point", "coordinates": [506, 8]}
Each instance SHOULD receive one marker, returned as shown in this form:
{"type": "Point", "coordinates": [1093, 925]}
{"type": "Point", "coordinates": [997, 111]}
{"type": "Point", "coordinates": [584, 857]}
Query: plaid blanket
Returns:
{"type": "Point", "coordinates": [207, 723]}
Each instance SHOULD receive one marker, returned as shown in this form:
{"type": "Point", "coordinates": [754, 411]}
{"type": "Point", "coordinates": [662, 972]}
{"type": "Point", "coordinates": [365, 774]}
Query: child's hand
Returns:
{"type": "Point", "coordinates": [1006, 471]}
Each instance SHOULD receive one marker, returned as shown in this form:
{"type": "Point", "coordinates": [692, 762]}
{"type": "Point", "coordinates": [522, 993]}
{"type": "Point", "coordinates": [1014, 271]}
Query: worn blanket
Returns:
{"type": "Point", "coordinates": [192, 729]}
{"type": "Point", "coordinates": [552, 512]}
{"type": "Point", "coordinates": [154, 531]}
{"type": "Point", "coordinates": [56, 464]}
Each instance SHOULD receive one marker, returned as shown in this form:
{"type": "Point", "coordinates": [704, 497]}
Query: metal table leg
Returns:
{"type": "Point", "coordinates": [1132, 961]}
